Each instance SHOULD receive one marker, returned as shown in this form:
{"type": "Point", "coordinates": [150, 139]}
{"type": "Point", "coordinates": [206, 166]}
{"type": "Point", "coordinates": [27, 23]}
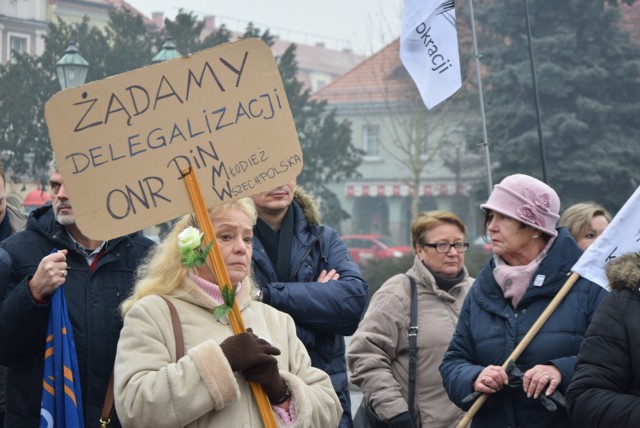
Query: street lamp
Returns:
{"type": "Point", "coordinates": [72, 68]}
{"type": "Point", "coordinates": [167, 52]}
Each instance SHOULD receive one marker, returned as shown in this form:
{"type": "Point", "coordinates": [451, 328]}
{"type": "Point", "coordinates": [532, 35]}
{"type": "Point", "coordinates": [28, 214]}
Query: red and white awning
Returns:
{"type": "Point", "coordinates": [444, 188]}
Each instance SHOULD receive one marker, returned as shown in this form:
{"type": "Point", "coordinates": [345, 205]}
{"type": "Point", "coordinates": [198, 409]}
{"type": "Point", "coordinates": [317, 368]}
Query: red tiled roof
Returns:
{"type": "Point", "coordinates": [379, 78]}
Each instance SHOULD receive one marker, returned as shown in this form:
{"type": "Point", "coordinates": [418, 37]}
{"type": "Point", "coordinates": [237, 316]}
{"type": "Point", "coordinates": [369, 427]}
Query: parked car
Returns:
{"type": "Point", "coordinates": [480, 243]}
{"type": "Point", "coordinates": [367, 247]}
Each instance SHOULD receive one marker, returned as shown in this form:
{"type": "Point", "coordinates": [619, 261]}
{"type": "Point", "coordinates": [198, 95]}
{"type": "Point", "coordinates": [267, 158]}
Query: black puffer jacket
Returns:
{"type": "Point", "coordinates": [605, 391]}
{"type": "Point", "coordinates": [92, 302]}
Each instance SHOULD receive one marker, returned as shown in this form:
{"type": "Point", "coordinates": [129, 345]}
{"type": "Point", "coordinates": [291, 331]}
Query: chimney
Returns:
{"type": "Point", "coordinates": [158, 19]}
{"type": "Point", "coordinates": [210, 22]}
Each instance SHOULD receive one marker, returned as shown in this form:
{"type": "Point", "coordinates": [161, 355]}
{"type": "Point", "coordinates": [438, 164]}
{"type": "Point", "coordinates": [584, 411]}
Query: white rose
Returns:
{"type": "Point", "coordinates": [190, 238]}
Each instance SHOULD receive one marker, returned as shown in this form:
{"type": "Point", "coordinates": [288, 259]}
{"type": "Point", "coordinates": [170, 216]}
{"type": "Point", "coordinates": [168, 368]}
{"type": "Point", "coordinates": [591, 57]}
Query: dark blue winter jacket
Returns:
{"type": "Point", "coordinates": [323, 312]}
{"type": "Point", "coordinates": [489, 329]}
{"type": "Point", "coordinates": [93, 300]}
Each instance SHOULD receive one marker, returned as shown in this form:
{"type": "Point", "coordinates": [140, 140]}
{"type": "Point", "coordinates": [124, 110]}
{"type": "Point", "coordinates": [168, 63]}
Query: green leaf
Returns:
{"type": "Point", "coordinates": [192, 257]}
{"type": "Point", "coordinates": [221, 310]}
{"type": "Point", "coordinates": [229, 294]}
{"type": "Point", "coordinates": [189, 258]}
{"type": "Point", "coordinates": [229, 297]}
{"type": "Point", "coordinates": [203, 253]}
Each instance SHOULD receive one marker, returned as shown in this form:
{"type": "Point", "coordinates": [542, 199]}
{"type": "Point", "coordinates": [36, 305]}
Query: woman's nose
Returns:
{"type": "Point", "coordinates": [239, 246]}
{"type": "Point", "coordinates": [493, 224]}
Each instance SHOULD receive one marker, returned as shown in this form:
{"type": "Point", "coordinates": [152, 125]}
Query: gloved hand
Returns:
{"type": "Point", "coordinates": [550, 402]}
{"type": "Point", "coordinates": [403, 420]}
{"type": "Point", "coordinates": [245, 350]}
{"type": "Point", "coordinates": [267, 375]}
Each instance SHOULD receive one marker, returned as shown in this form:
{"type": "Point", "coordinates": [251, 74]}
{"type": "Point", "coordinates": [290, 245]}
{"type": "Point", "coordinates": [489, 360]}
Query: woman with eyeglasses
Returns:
{"type": "Point", "coordinates": [531, 262]}
{"type": "Point", "coordinates": [378, 353]}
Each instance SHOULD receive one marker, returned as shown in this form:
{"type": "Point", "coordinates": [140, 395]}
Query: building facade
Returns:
{"type": "Point", "coordinates": [23, 23]}
{"type": "Point", "coordinates": [413, 158]}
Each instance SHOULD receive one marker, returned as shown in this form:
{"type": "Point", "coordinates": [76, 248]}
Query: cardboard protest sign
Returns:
{"type": "Point", "coordinates": [122, 143]}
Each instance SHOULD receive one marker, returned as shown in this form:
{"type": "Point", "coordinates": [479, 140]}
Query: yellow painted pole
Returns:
{"type": "Point", "coordinates": [535, 328]}
{"type": "Point", "coordinates": [220, 271]}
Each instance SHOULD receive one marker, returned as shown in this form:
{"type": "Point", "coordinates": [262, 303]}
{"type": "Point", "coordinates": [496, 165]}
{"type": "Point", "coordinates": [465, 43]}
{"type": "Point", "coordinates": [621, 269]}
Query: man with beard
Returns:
{"type": "Point", "coordinates": [97, 276]}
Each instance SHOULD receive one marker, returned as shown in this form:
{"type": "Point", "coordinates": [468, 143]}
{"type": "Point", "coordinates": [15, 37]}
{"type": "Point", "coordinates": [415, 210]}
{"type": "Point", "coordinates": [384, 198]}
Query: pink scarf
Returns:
{"type": "Point", "coordinates": [515, 280]}
{"type": "Point", "coordinates": [212, 290]}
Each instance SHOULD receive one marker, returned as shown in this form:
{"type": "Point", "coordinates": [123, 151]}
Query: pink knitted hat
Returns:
{"type": "Point", "coordinates": [527, 200]}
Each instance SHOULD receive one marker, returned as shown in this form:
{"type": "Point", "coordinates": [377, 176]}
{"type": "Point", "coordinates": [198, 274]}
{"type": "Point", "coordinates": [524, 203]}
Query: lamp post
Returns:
{"type": "Point", "coordinates": [72, 68]}
{"type": "Point", "coordinates": [167, 52]}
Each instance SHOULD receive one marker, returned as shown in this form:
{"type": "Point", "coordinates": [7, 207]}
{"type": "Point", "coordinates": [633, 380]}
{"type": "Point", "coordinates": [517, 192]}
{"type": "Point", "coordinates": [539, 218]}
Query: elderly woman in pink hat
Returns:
{"type": "Point", "coordinates": [531, 262]}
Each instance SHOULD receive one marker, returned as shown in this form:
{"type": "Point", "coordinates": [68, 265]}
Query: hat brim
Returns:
{"type": "Point", "coordinates": [490, 207]}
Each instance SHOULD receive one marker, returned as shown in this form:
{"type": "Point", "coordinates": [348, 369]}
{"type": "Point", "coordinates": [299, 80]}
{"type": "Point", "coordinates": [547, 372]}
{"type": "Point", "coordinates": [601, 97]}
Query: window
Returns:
{"type": "Point", "coordinates": [371, 140]}
{"type": "Point", "coordinates": [17, 44]}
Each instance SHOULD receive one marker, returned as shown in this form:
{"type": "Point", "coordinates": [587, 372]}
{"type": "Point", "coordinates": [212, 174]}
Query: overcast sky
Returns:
{"type": "Point", "coordinates": [364, 26]}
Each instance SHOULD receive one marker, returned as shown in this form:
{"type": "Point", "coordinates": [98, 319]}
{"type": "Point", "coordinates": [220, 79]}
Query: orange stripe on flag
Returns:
{"type": "Point", "coordinates": [69, 392]}
{"type": "Point", "coordinates": [50, 338]}
{"type": "Point", "coordinates": [64, 330]}
{"type": "Point", "coordinates": [48, 388]}
{"type": "Point", "coordinates": [68, 374]}
{"type": "Point", "coordinates": [48, 353]}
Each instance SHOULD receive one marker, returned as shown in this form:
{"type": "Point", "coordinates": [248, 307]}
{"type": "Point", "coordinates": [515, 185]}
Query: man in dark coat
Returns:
{"type": "Point", "coordinates": [97, 276]}
{"type": "Point", "coordinates": [305, 270]}
{"type": "Point", "coordinates": [605, 390]}
{"type": "Point", "coordinates": [11, 221]}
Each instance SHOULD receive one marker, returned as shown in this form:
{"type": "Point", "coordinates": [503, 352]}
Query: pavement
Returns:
{"type": "Point", "coordinates": [354, 391]}
{"type": "Point", "coordinates": [356, 398]}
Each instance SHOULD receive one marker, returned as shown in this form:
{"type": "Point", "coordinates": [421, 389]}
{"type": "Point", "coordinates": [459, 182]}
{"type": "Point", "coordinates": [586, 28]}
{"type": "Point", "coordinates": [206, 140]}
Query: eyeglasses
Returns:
{"type": "Point", "coordinates": [445, 247]}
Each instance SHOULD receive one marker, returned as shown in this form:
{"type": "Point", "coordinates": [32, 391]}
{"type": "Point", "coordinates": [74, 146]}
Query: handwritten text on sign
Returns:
{"type": "Point", "coordinates": [122, 142]}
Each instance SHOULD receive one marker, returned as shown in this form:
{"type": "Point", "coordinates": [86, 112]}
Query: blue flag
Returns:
{"type": "Point", "coordinates": [61, 395]}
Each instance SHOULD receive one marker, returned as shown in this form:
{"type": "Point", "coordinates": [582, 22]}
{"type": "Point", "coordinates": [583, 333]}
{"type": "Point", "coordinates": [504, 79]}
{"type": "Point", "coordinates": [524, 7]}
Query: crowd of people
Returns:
{"type": "Point", "coordinates": [431, 342]}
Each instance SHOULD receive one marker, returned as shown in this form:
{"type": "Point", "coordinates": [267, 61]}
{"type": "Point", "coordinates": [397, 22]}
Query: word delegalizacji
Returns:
{"type": "Point", "coordinates": [264, 106]}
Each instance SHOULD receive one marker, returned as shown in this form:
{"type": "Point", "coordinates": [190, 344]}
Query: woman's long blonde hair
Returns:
{"type": "Point", "coordinates": [162, 270]}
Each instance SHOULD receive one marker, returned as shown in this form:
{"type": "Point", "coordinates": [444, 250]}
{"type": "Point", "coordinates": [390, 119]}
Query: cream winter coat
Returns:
{"type": "Point", "coordinates": [200, 390]}
{"type": "Point", "coordinates": [378, 353]}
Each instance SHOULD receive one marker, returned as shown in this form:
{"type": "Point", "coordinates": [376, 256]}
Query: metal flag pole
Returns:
{"type": "Point", "coordinates": [485, 140]}
{"type": "Point", "coordinates": [543, 154]}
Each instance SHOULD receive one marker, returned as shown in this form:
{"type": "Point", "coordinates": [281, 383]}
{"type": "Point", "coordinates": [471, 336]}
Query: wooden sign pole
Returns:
{"type": "Point", "coordinates": [220, 271]}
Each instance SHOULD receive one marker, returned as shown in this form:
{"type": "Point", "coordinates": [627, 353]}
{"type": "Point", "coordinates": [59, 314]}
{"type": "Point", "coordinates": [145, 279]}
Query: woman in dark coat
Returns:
{"type": "Point", "coordinates": [531, 262]}
{"type": "Point", "coordinates": [605, 391]}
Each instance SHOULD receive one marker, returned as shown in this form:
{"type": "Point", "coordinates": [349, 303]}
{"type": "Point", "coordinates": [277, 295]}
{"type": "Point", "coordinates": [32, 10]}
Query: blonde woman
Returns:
{"type": "Point", "coordinates": [208, 386]}
{"type": "Point", "coordinates": [585, 221]}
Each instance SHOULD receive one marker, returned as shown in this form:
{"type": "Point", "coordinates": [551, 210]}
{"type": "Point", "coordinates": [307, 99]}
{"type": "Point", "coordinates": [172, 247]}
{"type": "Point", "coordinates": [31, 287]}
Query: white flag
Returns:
{"type": "Point", "coordinates": [429, 48]}
{"type": "Point", "coordinates": [620, 237]}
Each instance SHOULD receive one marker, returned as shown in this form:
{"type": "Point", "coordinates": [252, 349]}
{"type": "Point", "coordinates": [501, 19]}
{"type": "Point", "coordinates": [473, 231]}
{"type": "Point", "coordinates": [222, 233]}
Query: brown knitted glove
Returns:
{"type": "Point", "coordinates": [268, 375]}
{"type": "Point", "coordinates": [245, 350]}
